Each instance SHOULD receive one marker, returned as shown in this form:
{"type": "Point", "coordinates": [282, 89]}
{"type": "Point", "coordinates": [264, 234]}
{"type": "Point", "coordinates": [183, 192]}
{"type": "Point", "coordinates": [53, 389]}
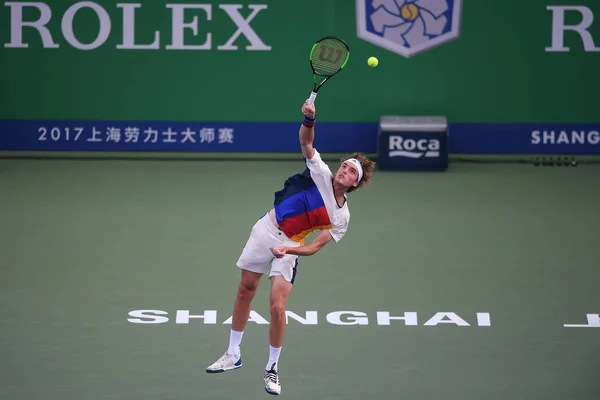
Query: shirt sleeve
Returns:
{"type": "Point", "coordinates": [339, 229]}
{"type": "Point", "coordinates": [317, 166]}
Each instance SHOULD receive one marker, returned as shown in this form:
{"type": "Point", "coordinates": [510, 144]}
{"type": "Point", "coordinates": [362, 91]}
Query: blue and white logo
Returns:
{"type": "Point", "coordinates": [408, 27]}
{"type": "Point", "coordinates": [413, 148]}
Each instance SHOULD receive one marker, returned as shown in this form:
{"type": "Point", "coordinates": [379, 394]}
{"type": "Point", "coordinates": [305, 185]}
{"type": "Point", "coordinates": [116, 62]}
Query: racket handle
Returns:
{"type": "Point", "coordinates": [312, 97]}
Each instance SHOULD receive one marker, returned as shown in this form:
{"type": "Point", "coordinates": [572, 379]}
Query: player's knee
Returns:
{"type": "Point", "coordinates": [247, 289]}
{"type": "Point", "coordinates": [278, 309]}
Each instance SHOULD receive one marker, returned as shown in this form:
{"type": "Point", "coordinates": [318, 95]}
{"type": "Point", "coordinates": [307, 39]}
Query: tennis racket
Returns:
{"type": "Point", "coordinates": [327, 57]}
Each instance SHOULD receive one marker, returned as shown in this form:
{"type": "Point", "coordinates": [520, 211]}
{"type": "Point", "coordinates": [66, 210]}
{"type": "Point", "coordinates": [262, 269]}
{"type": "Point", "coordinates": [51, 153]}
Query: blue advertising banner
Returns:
{"type": "Point", "coordinates": [227, 137]}
{"type": "Point", "coordinates": [282, 137]}
{"type": "Point", "coordinates": [524, 138]}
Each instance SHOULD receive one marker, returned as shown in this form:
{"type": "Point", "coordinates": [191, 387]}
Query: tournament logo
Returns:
{"type": "Point", "coordinates": [408, 27]}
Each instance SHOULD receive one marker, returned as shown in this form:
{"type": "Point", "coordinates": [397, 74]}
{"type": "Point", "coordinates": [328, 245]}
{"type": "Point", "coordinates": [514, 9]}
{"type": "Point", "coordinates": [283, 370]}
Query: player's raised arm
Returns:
{"type": "Point", "coordinates": [307, 130]}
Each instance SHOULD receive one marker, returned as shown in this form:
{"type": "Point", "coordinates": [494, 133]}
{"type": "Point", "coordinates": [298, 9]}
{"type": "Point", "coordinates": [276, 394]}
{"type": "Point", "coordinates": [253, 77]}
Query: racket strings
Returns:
{"type": "Point", "coordinates": [328, 56]}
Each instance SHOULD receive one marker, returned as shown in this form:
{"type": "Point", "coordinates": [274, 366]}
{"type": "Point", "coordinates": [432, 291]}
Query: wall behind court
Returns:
{"type": "Point", "coordinates": [514, 78]}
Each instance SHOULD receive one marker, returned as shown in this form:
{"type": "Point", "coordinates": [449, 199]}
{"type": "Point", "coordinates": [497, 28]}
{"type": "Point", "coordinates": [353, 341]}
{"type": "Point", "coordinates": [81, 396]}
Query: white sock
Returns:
{"type": "Point", "coordinates": [235, 340]}
{"type": "Point", "coordinates": [273, 357]}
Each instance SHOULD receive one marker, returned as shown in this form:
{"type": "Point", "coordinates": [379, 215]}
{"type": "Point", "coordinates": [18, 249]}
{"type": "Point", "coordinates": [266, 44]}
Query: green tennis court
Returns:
{"type": "Point", "coordinates": [107, 267]}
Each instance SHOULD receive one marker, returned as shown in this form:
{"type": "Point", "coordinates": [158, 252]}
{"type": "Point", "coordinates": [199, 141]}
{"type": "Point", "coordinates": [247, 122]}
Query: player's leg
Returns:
{"type": "Point", "coordinates": [280, 291]}
{"type": "Point", "coordinates": [241, 308]}
{"type": "Point", "coordinates": [232, 359]}
{"type": "Point", "coordinates": [283, 274]}
{"type": "Point", "coordinates": [254, 262]}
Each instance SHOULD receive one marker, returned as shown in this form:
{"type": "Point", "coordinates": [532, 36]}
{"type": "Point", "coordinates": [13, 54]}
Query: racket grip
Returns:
{"type": "Point", "coordinates": [312, 97]}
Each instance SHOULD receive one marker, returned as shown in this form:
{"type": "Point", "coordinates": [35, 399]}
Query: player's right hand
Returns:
{"type": "Point", "coordinates": [279, 252]}
{"type": "Point", "coordinates": [308, 110]}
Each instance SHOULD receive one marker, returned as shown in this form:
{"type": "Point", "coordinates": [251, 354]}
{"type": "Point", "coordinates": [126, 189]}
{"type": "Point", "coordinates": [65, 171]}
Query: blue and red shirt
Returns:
{"type": "Point", "coordinates": [307, 203]}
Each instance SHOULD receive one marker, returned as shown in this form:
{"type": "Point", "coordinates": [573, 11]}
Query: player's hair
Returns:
{"type": "Point", "coordinates": [368, 167]}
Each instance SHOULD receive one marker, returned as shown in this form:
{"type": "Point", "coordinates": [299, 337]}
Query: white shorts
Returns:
{"type": "Point", "coordinates": [257, 257]}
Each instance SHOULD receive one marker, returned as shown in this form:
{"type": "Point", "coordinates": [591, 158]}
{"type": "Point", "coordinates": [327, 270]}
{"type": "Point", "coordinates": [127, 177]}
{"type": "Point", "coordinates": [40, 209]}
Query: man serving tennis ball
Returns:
{"type": "Point", "coordinates": [315, 199]}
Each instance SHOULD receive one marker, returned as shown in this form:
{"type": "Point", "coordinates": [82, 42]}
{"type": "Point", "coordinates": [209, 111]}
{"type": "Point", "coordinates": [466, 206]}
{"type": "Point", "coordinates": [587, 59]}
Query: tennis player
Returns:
{"type": "Point", "coordinates": [312, 200]}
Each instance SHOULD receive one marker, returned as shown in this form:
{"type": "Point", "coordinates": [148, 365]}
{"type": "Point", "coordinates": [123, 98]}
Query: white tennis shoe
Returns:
{"type": "Point", "coordinates": [227, 362]}
{"type": "Point", "coordinates": [272, 385]}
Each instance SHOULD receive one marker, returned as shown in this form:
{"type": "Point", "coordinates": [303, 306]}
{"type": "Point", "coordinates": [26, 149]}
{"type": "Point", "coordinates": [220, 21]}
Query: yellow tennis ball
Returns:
{"type": "Point", "coordinates": [372, 61]}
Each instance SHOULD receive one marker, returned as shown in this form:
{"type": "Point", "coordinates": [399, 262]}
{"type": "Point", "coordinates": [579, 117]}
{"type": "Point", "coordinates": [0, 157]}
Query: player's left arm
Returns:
{"type": "Point", "coordinates": [307, 250]}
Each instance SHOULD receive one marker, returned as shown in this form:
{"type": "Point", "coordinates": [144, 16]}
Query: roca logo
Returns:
{"type": "Point", "coordinates": [414, 148]}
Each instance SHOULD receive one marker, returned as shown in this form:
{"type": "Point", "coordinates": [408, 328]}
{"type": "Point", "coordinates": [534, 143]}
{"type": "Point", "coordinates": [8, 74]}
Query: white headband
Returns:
{"type": "Point", "coordinates": [358, 167]}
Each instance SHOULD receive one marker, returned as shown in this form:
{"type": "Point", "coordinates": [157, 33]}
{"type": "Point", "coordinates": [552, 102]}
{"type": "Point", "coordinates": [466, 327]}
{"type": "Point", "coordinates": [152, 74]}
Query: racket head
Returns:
{"type": "Point", "coordinates": [329, 55]}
